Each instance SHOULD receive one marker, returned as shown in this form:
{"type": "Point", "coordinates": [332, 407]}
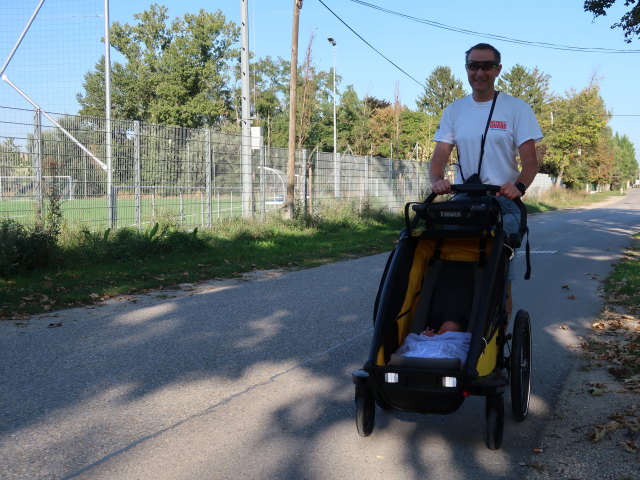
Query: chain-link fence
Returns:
{"type": "Point", "coordinates": [190, 176]}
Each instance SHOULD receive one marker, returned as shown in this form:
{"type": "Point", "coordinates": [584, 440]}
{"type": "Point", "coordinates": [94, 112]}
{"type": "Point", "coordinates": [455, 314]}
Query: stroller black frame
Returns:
{"type": "Point", "coordinates": [466, 237]}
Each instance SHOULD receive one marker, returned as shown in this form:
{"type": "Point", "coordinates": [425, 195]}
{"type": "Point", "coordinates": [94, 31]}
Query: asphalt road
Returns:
{"type": "Point", "coordinates": [250, 379]}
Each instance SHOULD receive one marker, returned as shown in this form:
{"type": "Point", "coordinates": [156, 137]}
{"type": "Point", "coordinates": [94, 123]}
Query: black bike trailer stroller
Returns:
{"type": "Point", "coordinates": [450, 263]}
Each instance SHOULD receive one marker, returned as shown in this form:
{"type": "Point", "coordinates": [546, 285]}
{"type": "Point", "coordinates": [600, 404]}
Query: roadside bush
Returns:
{"type": "Point", "coordinates": [24, 248]}
{"type": "Point", "coordinates": [338, 216]}
{"type": "Point", "coordinates": [126, 244]}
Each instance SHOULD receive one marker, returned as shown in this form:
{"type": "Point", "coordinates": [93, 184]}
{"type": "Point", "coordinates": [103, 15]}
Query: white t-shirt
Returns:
{"type": "Point", "coordinates": [512, 123]}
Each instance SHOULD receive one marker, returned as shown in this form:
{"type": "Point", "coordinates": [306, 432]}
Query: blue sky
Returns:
{"type": "Point", "coordinates": [415, 47]}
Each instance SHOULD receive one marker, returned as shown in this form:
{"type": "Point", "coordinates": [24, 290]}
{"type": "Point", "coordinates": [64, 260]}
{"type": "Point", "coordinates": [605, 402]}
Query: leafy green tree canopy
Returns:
{"type": "Point", "coordinates": [574, 135]}
{"type": "Point", "coordinates": [174, 73]}
{"type": "Point", "coordinates": [530, 86]}
{"type": "Point", "coordinates": [630, 21]}
{"type": "Point", "coordinates": [442, 88]}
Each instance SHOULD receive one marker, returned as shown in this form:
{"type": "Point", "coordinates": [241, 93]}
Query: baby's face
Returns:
{"type": "Point", "coordinates": [449, 326]}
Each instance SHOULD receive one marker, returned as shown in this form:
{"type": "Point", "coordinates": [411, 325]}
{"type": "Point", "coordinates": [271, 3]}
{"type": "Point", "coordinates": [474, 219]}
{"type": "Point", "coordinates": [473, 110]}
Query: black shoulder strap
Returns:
{"type": "Point", "coordinates": [486, 129]}
{"type": "Point", "coordinates": [524, 230]}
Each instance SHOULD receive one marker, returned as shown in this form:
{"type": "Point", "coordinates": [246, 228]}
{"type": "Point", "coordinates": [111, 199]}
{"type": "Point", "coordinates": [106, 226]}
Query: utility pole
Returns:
{"type": "Point", "coordinates": [336, 167]}
{"type": "Point", "coordinates": [247, 184]}
{"type": "Point", "coordinates": [293, 81]}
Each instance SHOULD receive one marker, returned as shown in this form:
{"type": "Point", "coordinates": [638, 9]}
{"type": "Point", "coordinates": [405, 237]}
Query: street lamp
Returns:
{"type": "Point", "coordinates": [335, 135]}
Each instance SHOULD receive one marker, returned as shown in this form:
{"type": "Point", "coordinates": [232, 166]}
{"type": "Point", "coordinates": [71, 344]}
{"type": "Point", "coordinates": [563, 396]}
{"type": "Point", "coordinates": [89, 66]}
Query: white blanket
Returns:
{"type": "Point", "coordinates": [445, 345]}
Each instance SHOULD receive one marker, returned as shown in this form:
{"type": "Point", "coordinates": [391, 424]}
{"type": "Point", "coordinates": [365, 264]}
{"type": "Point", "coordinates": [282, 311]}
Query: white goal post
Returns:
{"type": "Point", "coordinates": [25, 187]}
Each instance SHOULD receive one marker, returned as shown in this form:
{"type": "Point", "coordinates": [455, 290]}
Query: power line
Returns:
{"type": "Point", "coordinates": [540, 44]}
{"type": "Point", "coordinates": [371, 46]}
{"type": "Point", "coordinates": [450, 28]}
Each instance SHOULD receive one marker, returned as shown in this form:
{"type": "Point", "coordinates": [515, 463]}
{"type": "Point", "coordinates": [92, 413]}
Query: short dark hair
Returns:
{"type": "Point", "coordinates": [484, 46]}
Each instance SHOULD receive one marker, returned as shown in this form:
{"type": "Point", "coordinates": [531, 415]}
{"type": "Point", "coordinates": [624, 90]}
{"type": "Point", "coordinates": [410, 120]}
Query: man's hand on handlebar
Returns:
{"type": "Point", "coordinates": [442, 187]}
{"type": "Point", "coordinates": [510, 191]}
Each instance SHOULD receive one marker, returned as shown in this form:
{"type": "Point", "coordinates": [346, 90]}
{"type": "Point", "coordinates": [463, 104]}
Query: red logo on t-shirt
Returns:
{"type": "Point", "coordinates": [498, 125]}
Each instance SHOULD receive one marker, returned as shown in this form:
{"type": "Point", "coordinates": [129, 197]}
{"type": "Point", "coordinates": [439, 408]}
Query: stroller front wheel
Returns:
{"type": "Point", "coordinates": [365, 411]}
{"type": "Point", "coordinates": [494, 426]}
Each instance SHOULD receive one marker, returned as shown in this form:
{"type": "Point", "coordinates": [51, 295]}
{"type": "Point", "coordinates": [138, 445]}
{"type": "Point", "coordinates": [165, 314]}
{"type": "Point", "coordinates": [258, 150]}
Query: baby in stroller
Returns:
{"type": "Point", "coordinates": [448, 326]}
{"type": "Point", "coordinates": [448, 342]}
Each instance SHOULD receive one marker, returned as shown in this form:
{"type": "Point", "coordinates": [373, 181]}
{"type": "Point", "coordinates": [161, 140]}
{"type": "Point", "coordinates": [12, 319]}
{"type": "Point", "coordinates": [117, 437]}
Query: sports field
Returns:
{"type": "Point", "coordinates": [189, 211]}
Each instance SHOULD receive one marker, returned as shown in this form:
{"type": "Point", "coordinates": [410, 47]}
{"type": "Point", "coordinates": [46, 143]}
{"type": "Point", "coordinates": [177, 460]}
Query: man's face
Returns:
{"type": "Point", "coordinates": [481, 78]}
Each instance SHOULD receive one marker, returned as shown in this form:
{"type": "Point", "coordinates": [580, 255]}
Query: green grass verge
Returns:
{"type": "Point", "coordinates": [93, 266]}
{"type": "Point", "coordinates": [623, 285]}
{"type": "Point", "coordinates": [90, 267]}
{"type": "Point", "coordinates": [560, 198]}
{"type": "Point", "coordinates": [616, 334]}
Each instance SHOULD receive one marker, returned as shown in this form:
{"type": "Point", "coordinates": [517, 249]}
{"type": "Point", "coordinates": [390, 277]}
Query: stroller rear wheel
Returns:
{"type": "Point", "coordinates": [521, 366]}
{"type": "Point", "coordinates": [365, 411]}
{"type": "Point", "coordinates": [494, 426]}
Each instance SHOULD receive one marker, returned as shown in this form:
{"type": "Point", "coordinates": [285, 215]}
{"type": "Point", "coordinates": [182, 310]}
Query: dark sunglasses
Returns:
{"type": "Point", "coordinates": [473, 66]}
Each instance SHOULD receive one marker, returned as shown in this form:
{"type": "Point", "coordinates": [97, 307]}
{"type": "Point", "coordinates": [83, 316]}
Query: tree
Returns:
{"type": "Point", "coordinates": [574, 127]}
{"type": "Point", "coordinates": [11, 162]}
{"type": "Point", "coordinates": [314, 111]}
{"type": "Point", "coordinates": [441, 89]}
{"type": "Point", "coordinates": [626, 164]}
{"type": "Point", "coordinates": [177, 73]}
{"type": "Point", "coordinates": [270, 92]}
{"type": "Point", "coordinates": [352, 122]}
{"type": "Point", "coordinates": [530, 86]}
{"type": "Point", "coordinates": [381, 127]}
{"type": "Point", "coordinates": [372, 103]}
{"type": "Point", "coordinates": [414, 138]}
{"type": "Point", "coordinates": [630, 21]}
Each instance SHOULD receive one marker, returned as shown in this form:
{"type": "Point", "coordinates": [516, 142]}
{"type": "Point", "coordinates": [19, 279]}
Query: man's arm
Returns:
{"type": "Point", "coordinates": [529, 162]}
{"type": "Point", "coordinates": [439, 160]}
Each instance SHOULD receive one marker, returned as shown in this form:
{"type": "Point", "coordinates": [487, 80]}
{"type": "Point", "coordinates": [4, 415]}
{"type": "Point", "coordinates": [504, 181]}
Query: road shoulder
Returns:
{"type": "Point", "coordinates": [594, 431]}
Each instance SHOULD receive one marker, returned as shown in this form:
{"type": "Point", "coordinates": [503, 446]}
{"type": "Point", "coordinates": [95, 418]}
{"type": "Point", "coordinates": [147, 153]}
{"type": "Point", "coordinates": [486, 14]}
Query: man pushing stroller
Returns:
{"type": "Point", "coordinates": [491, 126]}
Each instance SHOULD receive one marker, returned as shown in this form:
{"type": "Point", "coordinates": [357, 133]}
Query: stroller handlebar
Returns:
{"type": "Point", "coordinates": [472, 189]}
{"type": "Point", "coordinates": [479, 189]}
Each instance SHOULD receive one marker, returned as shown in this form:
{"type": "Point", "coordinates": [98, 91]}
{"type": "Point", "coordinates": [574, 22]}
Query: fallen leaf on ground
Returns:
{"type": "Point", "coordinates": [630, 446]}
{"type": "Point", "coordinates": [598, 384]}
{"type": "Point", "coordinates": [598, 434]}
{"type": "Point", "coordinates": [612, 426]}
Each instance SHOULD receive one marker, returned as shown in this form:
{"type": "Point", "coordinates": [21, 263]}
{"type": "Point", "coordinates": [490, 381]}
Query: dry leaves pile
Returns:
{"type": "Point", "coordinates": [44, 300]}
{"type": "Point", "coordinates": [615, 344]}
{"type": "Point", "coordinates": [625, 422]}
{"type": "Point", "coordinates": [616, 340]}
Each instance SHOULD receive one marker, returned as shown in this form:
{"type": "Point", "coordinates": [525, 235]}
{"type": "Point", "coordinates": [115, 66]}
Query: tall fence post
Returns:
{"type": "Point", "coordinates": [311, 181]}
{"type": "Point", "coordinates": [208, 175]}
{"type": "Point", "coordinates": [390, 182]}
{"type": "Point", "coordinates": [304, 182]}
{"type": "Point", "coordinates": [336, 173]}
{"type": "Point", "coordinates": [39, 190]}
{"type": "Point", "coordinates": [138, 173]}
{"type": "Point", "coordinates": [366, 176]}
{"type": "Point", "coordinates": [263, 199]}
{"type": "Point", "coordinates": [111, 198]}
